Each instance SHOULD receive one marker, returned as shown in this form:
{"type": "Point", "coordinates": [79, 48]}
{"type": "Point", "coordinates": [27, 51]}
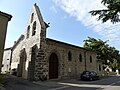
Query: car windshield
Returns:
{"type": "Point", "coordinates": [86, 72]}
{"type": "Point", "coordinates": [93, 73]}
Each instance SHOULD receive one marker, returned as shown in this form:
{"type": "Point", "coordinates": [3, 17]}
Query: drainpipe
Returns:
{"type": "Point", "coordinates": [85, 60]}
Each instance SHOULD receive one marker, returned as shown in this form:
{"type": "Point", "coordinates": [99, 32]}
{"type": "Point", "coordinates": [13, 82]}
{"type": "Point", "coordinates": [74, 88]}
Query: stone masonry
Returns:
{"type": "Point", "coordinates": [36, 57]}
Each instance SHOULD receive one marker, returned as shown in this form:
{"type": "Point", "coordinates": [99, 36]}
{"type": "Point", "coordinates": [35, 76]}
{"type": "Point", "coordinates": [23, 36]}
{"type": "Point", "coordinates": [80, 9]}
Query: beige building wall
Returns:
{"type": "Point", "coordinates": [4, 18]}
{"type": "Point", "coordinates": [100, 68]}
{"type": "Point", "coordinates": [6, 60]}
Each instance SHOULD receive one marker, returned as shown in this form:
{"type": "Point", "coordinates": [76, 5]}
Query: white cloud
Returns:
{"type": "Point", "coordinates": [80, 10]}
{"type": "Point", "coordinates": [52, 8]}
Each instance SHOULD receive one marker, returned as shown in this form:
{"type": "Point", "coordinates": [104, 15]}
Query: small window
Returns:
{"type": "Point", "coordinates": [90, 59]}
{"type": "Point", "coordinates": [103, 67]}
{"type": "Point", "coordinates": [99, 67]}
{"type": "Point", "coordinates": [34, 28]}
{"type": "Point", "coordinates": [80, 57]}
{"type": "Point", "coordinates": [69, 56]}
{"type": "Point", "coordinates": [32, 17]}
{"type": "Point", "coordinates": [28, 31]}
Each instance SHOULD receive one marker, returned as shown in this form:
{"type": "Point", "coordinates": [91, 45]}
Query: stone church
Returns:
{"type": "Point", "coordinates": [37, 57]}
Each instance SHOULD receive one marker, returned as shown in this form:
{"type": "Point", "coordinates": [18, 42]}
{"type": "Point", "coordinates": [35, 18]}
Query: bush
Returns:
{"type": "Point", "coordinates": [2, 78]}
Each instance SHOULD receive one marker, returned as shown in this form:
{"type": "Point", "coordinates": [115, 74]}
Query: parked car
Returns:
{"type": "Point", "coordinates": [89, 75]}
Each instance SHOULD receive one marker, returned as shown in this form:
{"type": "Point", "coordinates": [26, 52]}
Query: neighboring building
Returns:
{"type": "Point", "coordinates": [4, 18]}
{"type": "Point", "coordinates": [101, 67]}
{"type": "Point", "coordinates": [6, 60]}
{"type": "Point", "coordinates": [36, 57]}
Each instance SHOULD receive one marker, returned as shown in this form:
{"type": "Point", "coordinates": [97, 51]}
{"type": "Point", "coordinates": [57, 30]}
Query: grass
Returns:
{"type": "Point", "coordinates": [2, 78]}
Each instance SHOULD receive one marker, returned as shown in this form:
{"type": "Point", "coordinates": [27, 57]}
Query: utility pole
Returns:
{"type": "Point", "coordinates": [85, 60]}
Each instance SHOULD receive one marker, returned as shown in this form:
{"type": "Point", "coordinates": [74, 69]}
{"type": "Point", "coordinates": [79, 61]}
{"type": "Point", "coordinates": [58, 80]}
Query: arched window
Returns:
{"type": "Point", "coordinates": [28, 31]}
{"type": "Point", "coordinates": [99, 67]}
{"type": "Point", "coordinates": [90, 59]}
{"type": "Point", "coordinates": [80, 57]}
{"type": "Point", "coordinates": [69, 56]}
{"type": "Point", "coordinates": [32, 17]}
{"type": "Point", "coordinates": [34, 28]}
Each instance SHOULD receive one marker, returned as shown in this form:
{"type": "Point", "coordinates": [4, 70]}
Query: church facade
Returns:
{"type": "Point", "coordinates": [37, 57]}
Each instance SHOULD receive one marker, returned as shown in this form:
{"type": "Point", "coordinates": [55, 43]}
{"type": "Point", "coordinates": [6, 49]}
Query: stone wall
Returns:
{"type": "Point", "coordinates": [73, 68]}
{"type": "Point", "coordinates": [26, 41]}
{"type": "Point", "coordinates": [32, 41]}
{"type": "Point", "coordinates": [38, 48]}
{"type": "Point", "coordinates": [101, 68]}
{"type": "Point", "coordinates": [26, 44]}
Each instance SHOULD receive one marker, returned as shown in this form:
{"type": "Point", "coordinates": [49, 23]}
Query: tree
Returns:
{"type": "Point", "coordinates": [111, 13]}
{"type": "Point", "coordinates": [104, 51]}
{"type": "Point", "coordinates": [97, 45]}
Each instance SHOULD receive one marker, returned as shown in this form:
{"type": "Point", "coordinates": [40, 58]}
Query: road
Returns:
{"type": "Point", "coordinates": [15, 83]}
{"type": "Point", "coordinates": [111, 83]}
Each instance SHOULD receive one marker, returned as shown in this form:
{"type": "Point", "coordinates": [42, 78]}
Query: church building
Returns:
{"type": "Point", "coordinates": [36, 57]}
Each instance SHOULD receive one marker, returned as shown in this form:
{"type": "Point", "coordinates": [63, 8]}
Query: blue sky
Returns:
{"type": "Point", "coordinates": [69, 20]}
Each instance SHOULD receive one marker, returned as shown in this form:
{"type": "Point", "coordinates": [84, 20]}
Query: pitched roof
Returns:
{"type": "Point", "coordinates": [64, 43]}
{"type": "Point", "coordinates": [42, 22]}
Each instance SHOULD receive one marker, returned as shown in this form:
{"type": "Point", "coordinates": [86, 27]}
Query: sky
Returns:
{"type": "Point", "coordinates": [70, 21]}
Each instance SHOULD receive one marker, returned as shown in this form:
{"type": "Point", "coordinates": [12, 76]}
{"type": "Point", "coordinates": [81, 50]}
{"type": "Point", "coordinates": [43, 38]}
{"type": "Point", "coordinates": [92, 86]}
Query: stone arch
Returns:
{"type": "Point", "coordinates": [59, 58]}
{"type": "Point", "coordinates": [28, 31]}
{"type": "Point", "coordinates": [53, 51]}
{"type": "Point", "coordinates": [53, 66]}
{"type": "Point", "coordinates": [31, 68]}
{"type": "Point", "coordinates": [22, 63]}
{"type": "Point", "coordinates": [32, 17]}
{"type": "Point", "coordinates": [90, 59]}
{"type": "Point", "coordinates": [80, 57]}
{"type": "Point", "coordinates": [69, 56]}
{"type": "Point", "coordinates": [34, 28]}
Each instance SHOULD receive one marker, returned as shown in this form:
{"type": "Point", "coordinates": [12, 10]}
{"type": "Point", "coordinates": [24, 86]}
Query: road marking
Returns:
{"type": "Point", "coordinates": [81, 85]}
{"type": "Point", "coordinates": [111, 85]}
{"type": "Point", "coordinates": [66, 85]}
{"type": "Point", "coordinates": [59, 88]}
{"type": "Point", "coordinates": [100, 87]}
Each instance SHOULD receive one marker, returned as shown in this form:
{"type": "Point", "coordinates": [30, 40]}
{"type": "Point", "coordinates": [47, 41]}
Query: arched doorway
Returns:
{"type": "Point", "coordinates": [21, 65]}
{"type": "Point", "coordinates": [53, 66]}
{"type": "Point", "coordinates": [31, 68]}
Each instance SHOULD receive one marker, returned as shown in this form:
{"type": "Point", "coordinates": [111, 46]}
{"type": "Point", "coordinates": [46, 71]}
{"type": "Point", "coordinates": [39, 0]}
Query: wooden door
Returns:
{"type": "Point", "coordinates": [53, 66]}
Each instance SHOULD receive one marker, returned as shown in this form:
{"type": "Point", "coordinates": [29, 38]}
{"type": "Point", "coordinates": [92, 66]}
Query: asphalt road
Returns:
{"type": "Point", "coordinates": [14, 83]}
{"type": "Point", "coordinates": [111, 83]}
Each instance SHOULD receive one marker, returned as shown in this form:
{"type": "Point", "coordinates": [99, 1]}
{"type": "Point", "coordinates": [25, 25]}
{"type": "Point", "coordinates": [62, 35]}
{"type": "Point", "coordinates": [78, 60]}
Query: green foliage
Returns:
{"type": "Point", "coordinates": [104, 51]}
{"type": "Point", "coordinates": [114, 64]}
{"type": "Point", "coordinates": [111, 13]}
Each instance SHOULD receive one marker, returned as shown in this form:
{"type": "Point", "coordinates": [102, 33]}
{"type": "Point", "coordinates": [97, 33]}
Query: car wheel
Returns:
{"type": "Point", "coordinates": [91, 79]}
